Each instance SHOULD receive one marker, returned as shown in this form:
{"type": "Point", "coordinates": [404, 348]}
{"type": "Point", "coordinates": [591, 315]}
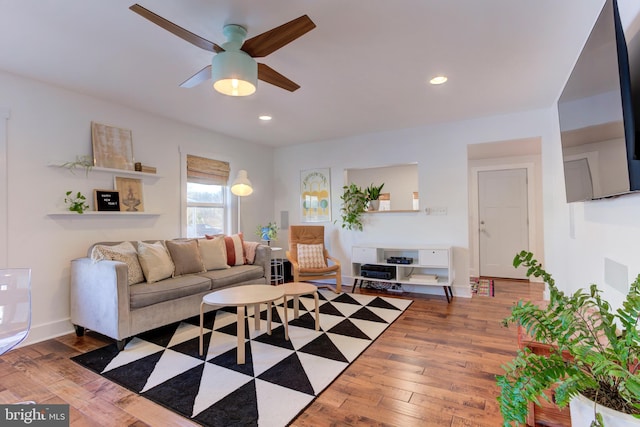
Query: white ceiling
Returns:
{"type": "Point", "coordinates": [365, 68]}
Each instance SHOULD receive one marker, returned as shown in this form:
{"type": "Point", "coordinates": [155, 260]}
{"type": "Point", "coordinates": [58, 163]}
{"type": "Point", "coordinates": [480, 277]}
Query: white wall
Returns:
{"type": "Point", "coordinates": [52, 125]}
{"type": "Point", "coordinates": [441, 153]}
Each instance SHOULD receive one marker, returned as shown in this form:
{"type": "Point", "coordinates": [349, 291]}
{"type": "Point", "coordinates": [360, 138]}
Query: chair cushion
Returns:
{"type": "Point", "coordinates": [185, 256]}
{"type": "Point", "coordinates": [123, 252]}
{"type": "Point", "coordinates": [155, 261]}
{"type": "Point", "coordinates": [213, 253]}
{"type": "Point", "coordinates": [311, 256]}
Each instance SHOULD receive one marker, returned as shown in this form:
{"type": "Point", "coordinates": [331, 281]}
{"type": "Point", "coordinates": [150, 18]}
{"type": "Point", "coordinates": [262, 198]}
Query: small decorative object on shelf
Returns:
{"type": "Point", "coordinates": [268, 232]}
{"type": "Point", "coordinates": [147, 169]}
{"type": "Point", "coordinates": [85, 162]}
{"type": "Point", "coordinates": [77, 202]}
{"type": "Point", "coordinates": [106, 200]}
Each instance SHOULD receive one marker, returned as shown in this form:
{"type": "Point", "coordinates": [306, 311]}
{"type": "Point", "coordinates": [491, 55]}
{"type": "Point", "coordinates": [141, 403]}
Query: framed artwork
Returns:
{"type": "Point", "coordinates": [315, 195]}
{"type": "Point", "coordinates": [112, 147]}
{"type": "Point", "coordinates": [130, 191]}
{"type": "Point", "coordinates": [106, 200]}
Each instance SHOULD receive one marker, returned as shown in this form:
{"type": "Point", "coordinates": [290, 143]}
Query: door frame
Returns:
{"type": "Point", "coordinates": [474, 220]}
{"type": "Point", "coordinates": [4, 187]}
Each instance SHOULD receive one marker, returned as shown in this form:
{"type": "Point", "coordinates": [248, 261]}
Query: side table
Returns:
{"type": "Point", "coordinates": [277, 266]}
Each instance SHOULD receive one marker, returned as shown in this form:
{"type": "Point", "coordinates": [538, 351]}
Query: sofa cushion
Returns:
{"type": "Point", "coordinates": [155, 261]}
{"type": "Point", "coordinates": [213, 253]}
{"type": "Point", "coordinates": [145, 294]}
{"type": "Point", "coordinates": [235, 276]}
{"type": "Point", "coordinates": [235, 249]}
{"type": "Point", "coordinates": [185, 256]}
{"type": "Point", "coordinates": [311, 256]}
{"type": "Point", "coordinates": [123, 252]}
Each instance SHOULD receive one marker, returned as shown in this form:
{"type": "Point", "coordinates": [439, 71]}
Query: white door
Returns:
{"type": "Point", "coordinates": [503, 221]}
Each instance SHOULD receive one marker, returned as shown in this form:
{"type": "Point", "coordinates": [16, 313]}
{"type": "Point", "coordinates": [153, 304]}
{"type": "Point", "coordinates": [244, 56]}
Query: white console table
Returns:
{"type": "Point", "coordinates": [430, 266]}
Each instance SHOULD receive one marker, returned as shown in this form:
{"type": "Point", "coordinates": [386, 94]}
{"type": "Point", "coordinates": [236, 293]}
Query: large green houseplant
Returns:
{"type": "Point", "coordinates": [595, 350]}
{"type": "Point", "coordinates": [354, 204]}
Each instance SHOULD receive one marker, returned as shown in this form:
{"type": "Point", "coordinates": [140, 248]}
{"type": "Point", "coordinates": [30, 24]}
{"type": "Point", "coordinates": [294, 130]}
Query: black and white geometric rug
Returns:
{"type": "Point", "coordinates": [279, 379]}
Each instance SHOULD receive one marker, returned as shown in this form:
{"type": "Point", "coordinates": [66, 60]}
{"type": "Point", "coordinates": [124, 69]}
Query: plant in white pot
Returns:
{"type": "Point", "coordinates": [372, 193]}
{"type": "Point", "coordinates": [595, 354]}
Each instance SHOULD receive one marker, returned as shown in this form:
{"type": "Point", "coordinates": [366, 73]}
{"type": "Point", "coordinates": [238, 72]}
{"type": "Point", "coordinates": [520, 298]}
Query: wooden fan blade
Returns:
{"type": "Point", "coordinates": [177, 30]}
{"type": "Point", "coordinates": [272, 40]}
{"type": "Point", "coordinates": [197, 78]}
{"type": "Point", "coordinates": [269, 75]}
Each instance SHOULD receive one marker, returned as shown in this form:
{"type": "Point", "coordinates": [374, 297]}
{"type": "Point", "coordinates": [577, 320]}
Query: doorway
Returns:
{"type": "Point", "coordinates": [503, 221]}
{"type": "Point", "coordinates": [497, 156]}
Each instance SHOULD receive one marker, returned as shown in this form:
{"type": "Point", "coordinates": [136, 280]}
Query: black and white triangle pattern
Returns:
{"type": "Point", "coordinates": [279, 379]}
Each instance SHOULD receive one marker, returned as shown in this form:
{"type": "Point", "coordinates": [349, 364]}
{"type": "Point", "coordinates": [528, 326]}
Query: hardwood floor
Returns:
{"type": "Point", "coordinates": [435, 366]}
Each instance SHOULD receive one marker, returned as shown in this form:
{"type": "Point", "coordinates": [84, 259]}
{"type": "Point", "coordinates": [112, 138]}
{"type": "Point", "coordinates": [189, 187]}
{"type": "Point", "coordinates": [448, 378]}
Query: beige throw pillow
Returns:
{"type": "Point", "coordinates": [213, 253]}
{"type": "Point", "coordinates": [155, 261]}
{"type": "Point", "coordinates": [123, 252]}
{"type": "Point", "coordinates": [311, 256]}
{"type": "Point", "coordinates": [185, 256]}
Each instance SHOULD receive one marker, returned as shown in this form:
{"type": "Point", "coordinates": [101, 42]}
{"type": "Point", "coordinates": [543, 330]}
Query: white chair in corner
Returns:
{"type": "Point", "coordinates": [15, 307]}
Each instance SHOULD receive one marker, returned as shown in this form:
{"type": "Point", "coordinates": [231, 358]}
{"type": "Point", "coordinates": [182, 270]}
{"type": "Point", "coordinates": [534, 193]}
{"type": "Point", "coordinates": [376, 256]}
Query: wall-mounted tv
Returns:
{"type": "Point", "coordinates": [599, 112]}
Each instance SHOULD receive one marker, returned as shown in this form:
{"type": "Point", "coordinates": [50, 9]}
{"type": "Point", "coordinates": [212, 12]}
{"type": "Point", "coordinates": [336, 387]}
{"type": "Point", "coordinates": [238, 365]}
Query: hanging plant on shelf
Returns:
{"type": "Point", "coordinates": [76, 203]}
{"type": "Point", "coordinates": [354, 204]}
{"type": "Point", "coordinates": [85, 162]}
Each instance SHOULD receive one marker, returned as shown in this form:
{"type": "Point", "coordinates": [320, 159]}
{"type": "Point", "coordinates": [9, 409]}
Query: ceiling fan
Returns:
{"type": "Point", "coordinates": [233, 69]}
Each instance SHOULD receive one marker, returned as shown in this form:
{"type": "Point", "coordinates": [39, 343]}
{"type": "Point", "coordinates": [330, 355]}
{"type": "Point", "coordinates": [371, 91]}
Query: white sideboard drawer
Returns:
{"type": "Point", "coordinates": [363, 255]}
{"type": "Point", "coordinates": [435, 257]}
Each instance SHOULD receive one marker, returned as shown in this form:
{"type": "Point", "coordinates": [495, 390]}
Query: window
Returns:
{"type": "Point", "coordinates": [206, 196]}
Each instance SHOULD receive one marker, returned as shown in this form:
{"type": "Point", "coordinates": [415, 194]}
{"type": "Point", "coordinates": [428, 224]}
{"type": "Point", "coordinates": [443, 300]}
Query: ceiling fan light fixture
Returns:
{"type": "Point", "coordinates": [234, 73]}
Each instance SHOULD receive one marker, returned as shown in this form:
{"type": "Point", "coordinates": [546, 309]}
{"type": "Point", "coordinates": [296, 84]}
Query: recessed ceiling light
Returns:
{"type": "Point", "coordinates": [438, 80]}
{"type": "Point", "coordinates": [265, 118]}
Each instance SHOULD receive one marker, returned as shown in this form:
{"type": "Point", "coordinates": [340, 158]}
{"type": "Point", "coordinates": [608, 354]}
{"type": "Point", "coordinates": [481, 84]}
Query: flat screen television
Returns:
{"type": "Point", "coordinates": [599, 112]}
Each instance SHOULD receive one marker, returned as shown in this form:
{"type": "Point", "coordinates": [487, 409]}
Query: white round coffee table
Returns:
{"type": "Point", "coordinates": [295, 289]}
{"type": "Point", "coordinates": [240, 297]}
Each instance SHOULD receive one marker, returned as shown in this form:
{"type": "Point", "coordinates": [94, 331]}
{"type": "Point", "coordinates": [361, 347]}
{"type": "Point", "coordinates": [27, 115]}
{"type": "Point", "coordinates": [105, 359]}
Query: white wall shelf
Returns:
{"type": "Point", "coordinates": [426, 262]}
{"type": "Point", "coordinates": [123, 172]}
{"type": "Point", "coordinates": [101, 213]}
{"type": "Point", "coordinates": [392, 211]}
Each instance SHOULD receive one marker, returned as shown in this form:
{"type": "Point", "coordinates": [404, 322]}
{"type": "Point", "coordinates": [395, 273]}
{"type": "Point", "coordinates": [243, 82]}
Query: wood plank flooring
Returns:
{"type": "Point", "coordinates": [435, 366]}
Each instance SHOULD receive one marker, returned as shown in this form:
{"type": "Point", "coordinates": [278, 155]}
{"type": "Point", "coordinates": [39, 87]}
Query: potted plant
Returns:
{"type": "Point", "coordinates": [85, 162]}
{"type": "Point", "coordinates": [268, 232]}
{"type": "Point", "coordinates": [372, 193]}
{"type": "Point", "coordinates": [77, 202]}
{"type": "Point", "coordinates": [594, 354]}
{"type": "Point", "coordinates": [354, 204]}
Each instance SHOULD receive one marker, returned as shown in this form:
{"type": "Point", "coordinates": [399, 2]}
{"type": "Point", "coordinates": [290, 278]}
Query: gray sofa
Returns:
{"type": "Point", "coordinates": [102, 300]}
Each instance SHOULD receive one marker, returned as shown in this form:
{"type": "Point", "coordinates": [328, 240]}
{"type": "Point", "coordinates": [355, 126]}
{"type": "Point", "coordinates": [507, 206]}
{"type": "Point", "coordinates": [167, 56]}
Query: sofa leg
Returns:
{"type": "Point", "coordinates": [120, 344]}
{"type": "Point", "coordinates": [79, 330]}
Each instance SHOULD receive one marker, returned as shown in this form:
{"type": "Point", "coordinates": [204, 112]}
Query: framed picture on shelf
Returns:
{"type": "Point", "coordinates": [112, 147]}
{"type": "Point", "coordinates": [106, 200]}
{"type": "Point", "coordinates": [130, 194]}
{"type": "Point", "coordinates": [315, 195]}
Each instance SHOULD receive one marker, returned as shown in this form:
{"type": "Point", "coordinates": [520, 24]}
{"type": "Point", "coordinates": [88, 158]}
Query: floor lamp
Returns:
{"type": "Point", "coordinates": [241, 187]}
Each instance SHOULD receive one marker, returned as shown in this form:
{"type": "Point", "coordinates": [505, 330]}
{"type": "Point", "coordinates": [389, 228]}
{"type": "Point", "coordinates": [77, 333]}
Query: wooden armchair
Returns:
{"type": "Point", "coordinates": [310, 261]}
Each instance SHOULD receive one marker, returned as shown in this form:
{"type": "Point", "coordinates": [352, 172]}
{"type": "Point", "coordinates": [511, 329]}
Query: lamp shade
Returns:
{"type": "Point", "coordinates": [234, 73]}
{"type": "Point", "coordinates": [241, 186]}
